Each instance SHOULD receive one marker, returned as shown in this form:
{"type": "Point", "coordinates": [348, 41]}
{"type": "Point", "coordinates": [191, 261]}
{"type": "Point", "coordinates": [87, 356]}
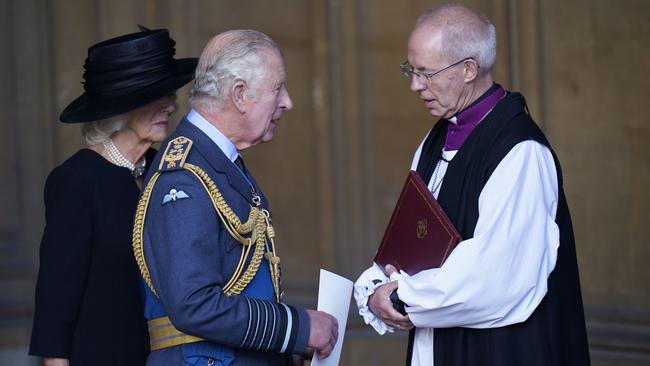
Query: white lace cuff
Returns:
{"type": "Point", "coordinates": [365, 286]}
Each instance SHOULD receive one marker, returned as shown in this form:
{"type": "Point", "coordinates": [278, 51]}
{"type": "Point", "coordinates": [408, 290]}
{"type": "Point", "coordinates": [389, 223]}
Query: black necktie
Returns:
{"type": "Point", "coordinates": [240, 163]}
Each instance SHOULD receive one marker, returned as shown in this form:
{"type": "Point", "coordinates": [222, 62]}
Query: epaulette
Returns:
{"type": "Point", "coordinates": [175, 154]}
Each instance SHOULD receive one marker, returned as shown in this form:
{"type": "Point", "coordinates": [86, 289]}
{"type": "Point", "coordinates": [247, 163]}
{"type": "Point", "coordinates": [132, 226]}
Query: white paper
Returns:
{"type": "Point", "coordinates": [334, 293]}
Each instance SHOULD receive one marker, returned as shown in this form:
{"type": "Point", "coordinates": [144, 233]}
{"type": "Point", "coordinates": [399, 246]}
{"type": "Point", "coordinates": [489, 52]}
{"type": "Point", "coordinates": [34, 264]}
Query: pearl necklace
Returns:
{"type": "Point", "coordinates": [118, 159]}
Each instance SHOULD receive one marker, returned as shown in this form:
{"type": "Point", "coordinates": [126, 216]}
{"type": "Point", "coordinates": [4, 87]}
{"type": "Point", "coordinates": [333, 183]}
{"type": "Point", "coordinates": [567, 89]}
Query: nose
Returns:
{"type": "Point", "coordinates": [417, 85]}
{"type": "Point", "coordinates": [169, 103]}
{"type": "Point", "coordinates": [285, 100]}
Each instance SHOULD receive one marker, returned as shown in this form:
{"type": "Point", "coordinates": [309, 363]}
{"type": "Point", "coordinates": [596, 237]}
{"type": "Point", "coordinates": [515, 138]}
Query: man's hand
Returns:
{"type": "Point", "coordinates": [298, 360]}
{"type": "Point", "coordinates": [380, 304]}
{"type": "Point", "coordinates": [323, 332]}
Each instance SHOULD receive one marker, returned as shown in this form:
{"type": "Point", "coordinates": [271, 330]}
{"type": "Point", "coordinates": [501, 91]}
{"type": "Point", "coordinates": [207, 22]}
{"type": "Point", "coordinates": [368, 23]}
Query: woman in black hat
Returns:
{"type": "Point", "coordinates": [88, 306]}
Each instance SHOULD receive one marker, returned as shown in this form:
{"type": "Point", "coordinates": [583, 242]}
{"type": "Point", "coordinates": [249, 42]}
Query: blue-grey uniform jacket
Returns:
{"type": "Point", "coordinates": [190, 256]}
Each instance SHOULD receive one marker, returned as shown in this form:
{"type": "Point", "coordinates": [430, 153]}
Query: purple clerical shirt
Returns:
{"type": "Point", "coordinates": [470, 117]}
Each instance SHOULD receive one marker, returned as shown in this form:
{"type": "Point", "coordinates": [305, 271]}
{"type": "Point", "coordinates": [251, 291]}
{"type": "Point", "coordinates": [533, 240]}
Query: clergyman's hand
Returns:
{"type": "Point", "coordinates": [389, 270]}
{"type": "Point", "coordinates": [323, 333]}
{"type": "Point", "coordinates": [380, 304]}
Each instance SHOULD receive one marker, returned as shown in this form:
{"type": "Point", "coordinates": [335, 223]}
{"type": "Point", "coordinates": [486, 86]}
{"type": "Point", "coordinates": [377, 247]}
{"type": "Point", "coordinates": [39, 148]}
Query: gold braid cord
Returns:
{"type": "Point", "coordinates": [138, 225]}
{"type": "Point", "coordinates": [258, 226]}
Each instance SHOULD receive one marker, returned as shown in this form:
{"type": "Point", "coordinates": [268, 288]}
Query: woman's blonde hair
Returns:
{"type": "Point", "coordinates": [96, 132]}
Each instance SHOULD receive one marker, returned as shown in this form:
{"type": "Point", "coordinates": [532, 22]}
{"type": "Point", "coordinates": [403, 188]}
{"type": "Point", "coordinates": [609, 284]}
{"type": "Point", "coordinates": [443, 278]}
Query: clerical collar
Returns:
{"type": "Point", "coordinates": [463, 123]}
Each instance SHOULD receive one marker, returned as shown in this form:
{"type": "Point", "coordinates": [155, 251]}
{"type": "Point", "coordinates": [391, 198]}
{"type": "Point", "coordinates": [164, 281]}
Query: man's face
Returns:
{"type": "Point", "coordinates": [270, 102]}
{"type": "Point", "coordinates": [442, 94]}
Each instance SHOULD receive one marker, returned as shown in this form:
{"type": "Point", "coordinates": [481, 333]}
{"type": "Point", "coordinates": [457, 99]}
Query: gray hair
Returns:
{"type": "Point", "coordinates": [96, 132]}
{"type": "Point", "coordinates": [240, 58]}
{"type": "Point", "coordinates": [465, 33]}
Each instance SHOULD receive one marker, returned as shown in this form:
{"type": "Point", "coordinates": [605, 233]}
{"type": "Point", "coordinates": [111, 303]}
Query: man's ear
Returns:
{"type": "Point", "coordinates": [238, 95]}
{"type": "Point", "coordinates": [470, 70]}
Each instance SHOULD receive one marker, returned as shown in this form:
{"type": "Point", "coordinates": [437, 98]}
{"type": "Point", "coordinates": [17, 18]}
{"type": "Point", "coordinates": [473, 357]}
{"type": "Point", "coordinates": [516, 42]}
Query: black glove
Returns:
{"type": "Point", "coordinates": [397, 303]}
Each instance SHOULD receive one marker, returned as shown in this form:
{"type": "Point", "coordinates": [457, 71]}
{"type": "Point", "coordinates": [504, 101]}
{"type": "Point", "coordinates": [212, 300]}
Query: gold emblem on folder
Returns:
{"type": "Point", "coordinates": [422, 228]}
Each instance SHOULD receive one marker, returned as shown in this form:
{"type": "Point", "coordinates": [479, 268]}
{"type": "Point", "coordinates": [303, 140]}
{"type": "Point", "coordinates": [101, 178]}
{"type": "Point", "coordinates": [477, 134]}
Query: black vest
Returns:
{"type": "Point", "coordinates": [555, 333]}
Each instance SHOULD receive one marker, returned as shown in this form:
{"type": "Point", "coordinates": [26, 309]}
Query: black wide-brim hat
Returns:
{"type": "Point", "coordinates": [128, 72]}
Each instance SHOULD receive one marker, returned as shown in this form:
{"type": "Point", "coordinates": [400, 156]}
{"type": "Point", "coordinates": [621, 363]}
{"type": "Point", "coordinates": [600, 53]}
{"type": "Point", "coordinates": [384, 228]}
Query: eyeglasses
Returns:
{"type": "Point", "coordinates": [409, 72]}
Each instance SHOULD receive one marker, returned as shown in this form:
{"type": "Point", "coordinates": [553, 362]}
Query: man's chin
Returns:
{"type": "Point", "coordinates": [435, 113]}
{"type": "Point", "coordinates": [267, 137]}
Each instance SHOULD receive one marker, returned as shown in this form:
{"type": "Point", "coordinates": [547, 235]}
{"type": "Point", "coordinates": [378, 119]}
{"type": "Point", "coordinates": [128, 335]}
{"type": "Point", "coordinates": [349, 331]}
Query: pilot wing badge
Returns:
{"type": "Point", "coordinates": [174, 195]}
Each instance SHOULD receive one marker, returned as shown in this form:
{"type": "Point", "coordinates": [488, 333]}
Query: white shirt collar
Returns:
{"type": "Point", "coordinates": [214, 134]}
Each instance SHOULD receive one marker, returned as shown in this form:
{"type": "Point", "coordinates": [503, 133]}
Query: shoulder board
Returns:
{"type": "Point", "coordinates": [175, 154]}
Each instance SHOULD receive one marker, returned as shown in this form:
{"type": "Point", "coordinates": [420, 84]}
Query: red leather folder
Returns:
{"type": "Point", "coordinates": [419, 235]}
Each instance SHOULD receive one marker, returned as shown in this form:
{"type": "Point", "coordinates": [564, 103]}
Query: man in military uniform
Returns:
{"type": "Point", "coordinates": [203, 236]}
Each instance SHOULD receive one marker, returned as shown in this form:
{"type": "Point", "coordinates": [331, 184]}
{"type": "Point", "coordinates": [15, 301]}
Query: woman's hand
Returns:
{"type": "Point", "coordinates": [47, 361]}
